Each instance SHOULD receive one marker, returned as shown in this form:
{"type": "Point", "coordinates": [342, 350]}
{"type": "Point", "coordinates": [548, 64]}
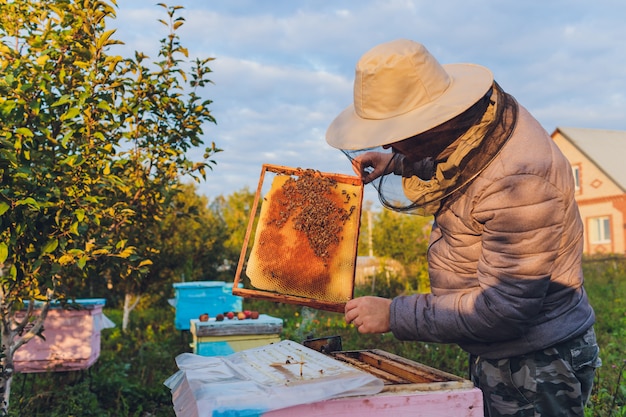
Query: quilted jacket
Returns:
{"type": "Point", "coordinates": [505, 257]}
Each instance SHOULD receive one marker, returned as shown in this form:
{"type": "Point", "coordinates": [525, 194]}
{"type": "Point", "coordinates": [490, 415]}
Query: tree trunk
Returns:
{"type": "Point", "coordinates": [16, 331]}
{"type": "Point", "coordinates": [130, 302]}
{"type": "Point", "coordinates": [6, 372]}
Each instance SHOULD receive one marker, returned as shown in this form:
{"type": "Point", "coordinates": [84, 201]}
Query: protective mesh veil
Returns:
{"type": "Point", "coordinates": [390, 186]}
{"type": "Point", "coordinates": [421, 187]}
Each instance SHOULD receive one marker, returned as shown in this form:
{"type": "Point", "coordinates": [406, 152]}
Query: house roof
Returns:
{"type": "Point", "coordinates": [605, 148]}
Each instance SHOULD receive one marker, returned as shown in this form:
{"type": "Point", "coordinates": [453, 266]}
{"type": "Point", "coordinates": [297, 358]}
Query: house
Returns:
{"type": "Point", "coordinates": [598, 159]}
{"type": "Point", "coordinates": [367, 267]}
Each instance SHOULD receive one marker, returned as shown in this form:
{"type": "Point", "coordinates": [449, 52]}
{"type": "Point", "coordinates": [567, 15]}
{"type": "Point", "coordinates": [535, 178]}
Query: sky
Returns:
{"type": "Point", "coordinates": [284, 69]}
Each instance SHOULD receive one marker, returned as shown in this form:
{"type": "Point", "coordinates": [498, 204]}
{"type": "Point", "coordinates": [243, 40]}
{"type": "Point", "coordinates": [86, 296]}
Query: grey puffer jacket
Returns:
{"type": "Point", "coordinates": [505, 257]}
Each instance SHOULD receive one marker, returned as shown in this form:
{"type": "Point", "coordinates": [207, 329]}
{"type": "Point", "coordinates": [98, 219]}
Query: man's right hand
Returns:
{"type": "Point", "coordinates": [372, 165]}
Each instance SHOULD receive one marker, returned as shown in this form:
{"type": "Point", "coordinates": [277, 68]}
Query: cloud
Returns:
{"type": "Point", "coordinates": [283, 69]}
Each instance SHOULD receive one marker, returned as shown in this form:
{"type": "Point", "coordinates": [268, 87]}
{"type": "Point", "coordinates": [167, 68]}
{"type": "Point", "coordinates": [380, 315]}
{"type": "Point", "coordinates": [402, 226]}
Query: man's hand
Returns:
{"type": "Point", "coordinates": [368, 314]}
{"type": "Point", "coordinates": [372, 165]}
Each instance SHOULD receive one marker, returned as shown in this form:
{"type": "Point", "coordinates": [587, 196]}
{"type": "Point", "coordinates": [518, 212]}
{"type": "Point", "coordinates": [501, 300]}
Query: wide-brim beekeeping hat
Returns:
{"type": "Point", "coordinates": [401, 90]}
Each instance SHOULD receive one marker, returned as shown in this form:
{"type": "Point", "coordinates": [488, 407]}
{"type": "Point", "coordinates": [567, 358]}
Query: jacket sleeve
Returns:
{"type": "Point", "coordinates": [521, 218]}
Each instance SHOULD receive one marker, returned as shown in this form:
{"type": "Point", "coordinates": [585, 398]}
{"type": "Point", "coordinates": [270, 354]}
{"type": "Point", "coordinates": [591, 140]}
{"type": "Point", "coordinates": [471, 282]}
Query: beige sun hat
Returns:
{"type": "Point", "coordinates": [400, 90]}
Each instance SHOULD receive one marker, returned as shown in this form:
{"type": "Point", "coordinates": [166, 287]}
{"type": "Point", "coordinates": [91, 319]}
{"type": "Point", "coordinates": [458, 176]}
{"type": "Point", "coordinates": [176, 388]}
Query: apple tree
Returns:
{"type": "Point", "coordinates": [92, 146]}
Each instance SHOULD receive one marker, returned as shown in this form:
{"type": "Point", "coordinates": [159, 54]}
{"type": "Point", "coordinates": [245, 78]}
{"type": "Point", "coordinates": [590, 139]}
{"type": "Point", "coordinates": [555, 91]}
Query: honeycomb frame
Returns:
{"type": "Point", "coordinates": [335, 259]}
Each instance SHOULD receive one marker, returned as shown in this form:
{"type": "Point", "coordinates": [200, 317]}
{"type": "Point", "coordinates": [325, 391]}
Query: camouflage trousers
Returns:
{"type": "Point", "coordinates": [553, 382]}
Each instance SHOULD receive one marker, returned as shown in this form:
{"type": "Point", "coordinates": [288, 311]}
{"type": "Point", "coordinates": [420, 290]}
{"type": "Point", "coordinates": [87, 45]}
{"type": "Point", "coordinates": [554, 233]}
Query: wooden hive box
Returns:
{"type": "Point", "coordinates": [198, 297]}
{"type": "Point", "coordinates": [218, 338]}
{"type": "Point", "coordinates": [72, 339]}
{"type": "Point", "coordinates": [296, 375]}
{"type": "Point", "coordinates": [411, 389]}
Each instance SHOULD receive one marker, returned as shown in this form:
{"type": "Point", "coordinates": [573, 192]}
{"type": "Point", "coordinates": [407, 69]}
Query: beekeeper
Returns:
{"type": "Point", "coordinates": [506, 243]}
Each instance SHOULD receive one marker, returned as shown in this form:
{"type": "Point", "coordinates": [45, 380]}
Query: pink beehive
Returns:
{"type": "Point", "coordinates": [285, 379]}
{"type": "Point", "coordinates": [72, 339]}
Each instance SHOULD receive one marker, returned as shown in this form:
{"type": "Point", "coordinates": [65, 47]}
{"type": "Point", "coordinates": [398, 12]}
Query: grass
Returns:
{"type": "Point", "coordinates": [127, 380]}
{"type": "Point", "coordinates": [606, 286]}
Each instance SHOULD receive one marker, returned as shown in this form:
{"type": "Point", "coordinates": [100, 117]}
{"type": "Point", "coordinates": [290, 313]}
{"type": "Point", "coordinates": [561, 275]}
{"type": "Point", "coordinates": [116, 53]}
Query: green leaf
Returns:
{"type": "Point", "coordinates": [4, 252]}
{"type": "Point", "coordinates": [50, 246]}
{"type": "Point", "coordinates": [71, 113]}
{"type": "Point", "coordinates": [28, 201]}
{"type": "Point", "coordinates": [7, 107]}
{"type": "Point", "coordinates": [24, 131]}
{"type": "Point", "coordinates": [145, 262]}
{"type": "Point", "coordinates": [80, 214]}
{"type": "Point", "coordinates": [3, 207]}
{"type": "Point", "coordinates": [103, 41]}
{"type": "Point", "coordinates": [63, 100]}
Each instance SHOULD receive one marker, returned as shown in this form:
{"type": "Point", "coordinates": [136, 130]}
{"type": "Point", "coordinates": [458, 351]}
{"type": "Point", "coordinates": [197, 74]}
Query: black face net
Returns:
{"type": "Point", "coordinates": [459, 150]}
{"type": "Point", "coordinates": [395, 173]}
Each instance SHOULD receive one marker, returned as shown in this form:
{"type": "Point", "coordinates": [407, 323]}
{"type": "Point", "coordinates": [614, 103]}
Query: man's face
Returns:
{"type": "Point", "coordinates": [427, 144]}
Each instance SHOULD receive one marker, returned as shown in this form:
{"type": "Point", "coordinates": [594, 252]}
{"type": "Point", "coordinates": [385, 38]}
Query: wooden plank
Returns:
{"type": "Point", "coordinates": [458, 403]}
{"type": "Point", "coordinates": [389, 378]}
{"type": "Point", "coordinates": [429, 386]}
{"type": "Point", "coordinates": [417, 365]}
{"type": "Point", "coordinates": [408, 372]}
{"type": "Point", "coordinates": [415, 374]}
{"type": "Point", "coordinates": [290, 299]}
{"type": "Point", "coordinates": [262, 326]}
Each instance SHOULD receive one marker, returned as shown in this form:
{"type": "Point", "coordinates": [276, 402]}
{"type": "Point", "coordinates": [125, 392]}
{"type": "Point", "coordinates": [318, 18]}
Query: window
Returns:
{"type": "Point", "coordinates": [576, 172]}
{"type": "Point", "coordinates": [600, 229]}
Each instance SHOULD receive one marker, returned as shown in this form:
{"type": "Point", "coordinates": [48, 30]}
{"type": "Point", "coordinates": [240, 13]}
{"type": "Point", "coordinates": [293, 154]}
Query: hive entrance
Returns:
{"type": "Point", "coordinates": [304, 238]}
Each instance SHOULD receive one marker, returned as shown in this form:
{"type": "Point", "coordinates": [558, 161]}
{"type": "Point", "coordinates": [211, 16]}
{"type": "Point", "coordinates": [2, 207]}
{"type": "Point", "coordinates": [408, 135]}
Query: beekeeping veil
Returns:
{"type": "Point", "coordinates": [400, 92]}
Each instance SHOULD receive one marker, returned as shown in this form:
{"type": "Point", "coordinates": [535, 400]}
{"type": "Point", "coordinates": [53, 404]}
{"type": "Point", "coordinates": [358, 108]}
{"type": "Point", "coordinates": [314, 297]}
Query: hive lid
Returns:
{"type": "Point", "coordinates": [256, 381]}
{"type": "Point", "coordinates": [200, 284]}
{"type": "Point", "coordinates": [301, 242]}
{"type": "Point", "coordinates": [78, 303]}
{"type": "Point", "coordinates": [263, 325]}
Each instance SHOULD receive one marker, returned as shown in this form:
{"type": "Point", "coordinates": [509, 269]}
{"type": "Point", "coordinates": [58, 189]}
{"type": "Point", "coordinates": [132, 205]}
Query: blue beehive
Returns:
{"type": "Point", "coordinates": [198, 297]}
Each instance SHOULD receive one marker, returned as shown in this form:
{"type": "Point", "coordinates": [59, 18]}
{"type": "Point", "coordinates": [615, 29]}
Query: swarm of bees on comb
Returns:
{"type": "Point", "coordinates": [305, 242]}
{"type": "Point", "coordinates": [320, 218]}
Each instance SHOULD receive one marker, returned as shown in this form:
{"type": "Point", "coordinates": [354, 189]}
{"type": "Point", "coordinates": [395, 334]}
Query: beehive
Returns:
{"type": "Point", "coordinates": [216, 338]}
{"type": "Point", "coordinates": [72, 339]}
{"type": "Point", "coordinates": [304, 238]}
{"type": "Point", "coordinates": [285, 379]}
{"type": "Point", "coordinates": [197, 297]}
